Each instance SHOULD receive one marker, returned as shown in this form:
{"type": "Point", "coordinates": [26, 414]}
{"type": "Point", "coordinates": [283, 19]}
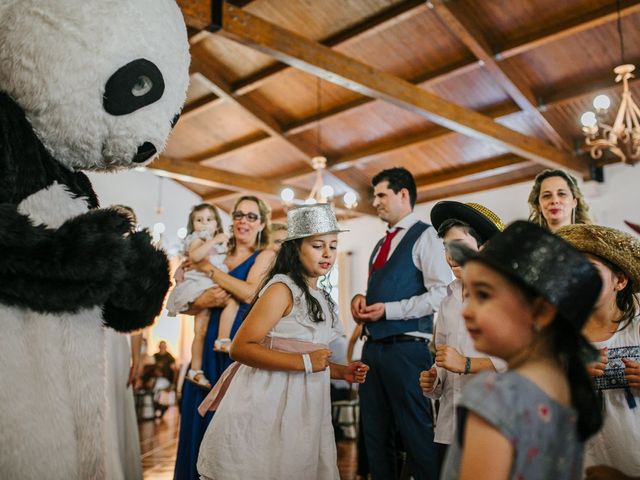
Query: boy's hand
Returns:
{"type": "Point", "coordinates": [428, 379]}
{"type": "Point", "coordinates": [356, 372]}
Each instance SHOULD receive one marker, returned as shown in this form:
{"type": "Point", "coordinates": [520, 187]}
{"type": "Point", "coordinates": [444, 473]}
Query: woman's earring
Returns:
{"type": "Point", "coordinates": [259, 238]}
{"type": "Point", "coordinates": [573, 216]}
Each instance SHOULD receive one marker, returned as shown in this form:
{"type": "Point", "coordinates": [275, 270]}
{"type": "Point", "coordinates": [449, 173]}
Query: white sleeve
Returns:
{"type": "Point", "coordinates": [428, 257]}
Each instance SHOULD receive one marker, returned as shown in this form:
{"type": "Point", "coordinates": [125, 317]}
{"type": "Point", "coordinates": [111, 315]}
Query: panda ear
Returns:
{"type": "Point", "coordinates": [22, 154]}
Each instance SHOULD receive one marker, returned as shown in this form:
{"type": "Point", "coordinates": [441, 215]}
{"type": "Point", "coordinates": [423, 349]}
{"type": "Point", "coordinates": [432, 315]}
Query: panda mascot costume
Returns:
{"type": "Point", "coordinates": [84, 85]}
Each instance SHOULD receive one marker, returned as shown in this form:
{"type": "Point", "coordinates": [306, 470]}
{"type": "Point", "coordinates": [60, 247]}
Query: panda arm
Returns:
{"type": "Point", "coordinates": [76, 266]}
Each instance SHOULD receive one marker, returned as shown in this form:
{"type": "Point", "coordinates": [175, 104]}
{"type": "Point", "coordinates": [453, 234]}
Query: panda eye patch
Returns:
{"type": "Point", "coordinates": [133, 86]}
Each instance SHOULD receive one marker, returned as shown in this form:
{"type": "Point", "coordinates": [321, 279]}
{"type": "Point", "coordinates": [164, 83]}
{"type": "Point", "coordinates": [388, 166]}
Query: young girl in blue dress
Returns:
{"type": "Point", "coordinates": [527, 297]}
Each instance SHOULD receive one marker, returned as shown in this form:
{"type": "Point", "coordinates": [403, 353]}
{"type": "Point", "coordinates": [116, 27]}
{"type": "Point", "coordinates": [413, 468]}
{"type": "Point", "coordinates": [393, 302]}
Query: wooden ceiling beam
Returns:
{"type": "Point", "coordinates": [347, 72]}
{"type": "Point", "coordinates": [472, 171]}
{"type": "Point", "coordinates": [213, 177]}
{"type": "Point", "coordinates": [512, 48]}
{"type": "Point", "coordinates": [596, 18]}
{"type": "Point", "coordinates": [382, 20]}
{"type": "Point", "coordinates": [386, 147]}
{"type": "Point", "coordinates": [525, 173]}
{"type": "Point", "coordinates": [467, 32]}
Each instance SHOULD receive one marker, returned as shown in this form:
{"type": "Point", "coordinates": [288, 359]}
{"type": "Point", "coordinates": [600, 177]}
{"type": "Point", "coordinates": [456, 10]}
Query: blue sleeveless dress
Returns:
{"type": "Point", "coordinates": [192, 425]}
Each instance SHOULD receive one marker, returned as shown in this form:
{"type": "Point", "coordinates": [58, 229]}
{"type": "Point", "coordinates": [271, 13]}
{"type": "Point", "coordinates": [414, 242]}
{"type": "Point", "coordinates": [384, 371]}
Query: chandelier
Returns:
{"type": "Point", "coordinates": [622, 138]}
{"type": "Point", "coordinates": [320, 193]}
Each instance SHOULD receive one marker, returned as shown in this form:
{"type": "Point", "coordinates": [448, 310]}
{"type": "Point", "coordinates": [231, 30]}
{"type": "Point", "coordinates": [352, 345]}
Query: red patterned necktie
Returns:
{"type": "Point", "coordinates": [383, 253]}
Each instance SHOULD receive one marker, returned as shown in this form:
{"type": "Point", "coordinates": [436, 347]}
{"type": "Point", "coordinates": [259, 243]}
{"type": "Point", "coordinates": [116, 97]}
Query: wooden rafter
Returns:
{"type": "Point", "coordinates": [516, 47]}
{"type": "Point", "coordinates": [337, 68]}
{"type": "Point", "coordinates": [468, 33]}
{"type": "Point", "coordinates": [525, 172]}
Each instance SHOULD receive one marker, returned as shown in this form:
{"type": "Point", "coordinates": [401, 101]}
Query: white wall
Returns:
{"type": "Point", "coordinates": [612, 202]}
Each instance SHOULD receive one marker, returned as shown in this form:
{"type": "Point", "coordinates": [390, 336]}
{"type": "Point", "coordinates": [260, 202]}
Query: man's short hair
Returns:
{"type": "Point", "coordinates": [398, 178]}
{"type": "Point", "coordinates": [449, 223]}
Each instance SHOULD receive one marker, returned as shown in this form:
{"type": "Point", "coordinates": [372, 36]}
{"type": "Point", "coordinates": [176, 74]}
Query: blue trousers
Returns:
{"type": "Point", "coordinates": [391, 401]}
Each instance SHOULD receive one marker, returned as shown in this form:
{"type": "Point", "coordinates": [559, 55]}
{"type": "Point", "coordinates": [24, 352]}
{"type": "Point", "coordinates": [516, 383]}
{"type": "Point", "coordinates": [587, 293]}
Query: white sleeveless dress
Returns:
{"type": "Point", "coordinates": [617, 444]}
{"type": "Point", "coordinates": [276, 424]}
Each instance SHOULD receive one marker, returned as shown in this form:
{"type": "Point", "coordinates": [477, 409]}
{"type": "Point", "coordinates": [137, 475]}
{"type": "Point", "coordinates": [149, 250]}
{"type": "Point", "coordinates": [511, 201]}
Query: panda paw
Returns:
{"type": "Point", "coordinates": [140, 294]}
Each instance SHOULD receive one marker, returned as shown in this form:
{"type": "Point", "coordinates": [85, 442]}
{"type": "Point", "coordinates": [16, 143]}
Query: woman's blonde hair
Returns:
{"type": "Point", "coordinates": [262, 239]}
{"type": "Point", "coordinates": [581, 211]}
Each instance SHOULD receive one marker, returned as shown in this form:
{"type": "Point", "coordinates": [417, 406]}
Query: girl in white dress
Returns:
{"type": "Point", "coordinates": [614, 329]}
{"type": "Point", "coordinates": [205, 239]}
{"type": "Point", "coordinates": [275, 420]}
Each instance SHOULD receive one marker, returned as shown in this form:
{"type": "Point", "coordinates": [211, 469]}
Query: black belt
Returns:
{"type": "Point", "coordinates": [398, 339]}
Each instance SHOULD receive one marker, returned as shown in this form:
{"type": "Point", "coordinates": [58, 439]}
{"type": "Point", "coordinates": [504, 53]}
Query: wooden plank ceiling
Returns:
{"type": "Point", "coordinates": [467, 95]}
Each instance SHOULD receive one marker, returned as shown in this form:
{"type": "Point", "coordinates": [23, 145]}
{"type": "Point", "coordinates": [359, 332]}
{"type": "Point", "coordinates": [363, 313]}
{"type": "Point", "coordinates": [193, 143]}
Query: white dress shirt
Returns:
{"type": "Point", "coordinates": [428, 257]}
{"type": "Point", "coordinates": [450, 330]}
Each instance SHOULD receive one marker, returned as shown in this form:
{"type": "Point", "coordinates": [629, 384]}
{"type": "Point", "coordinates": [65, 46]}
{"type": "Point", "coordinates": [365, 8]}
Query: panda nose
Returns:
{"type": "Point", "coordinates": [145, 152]}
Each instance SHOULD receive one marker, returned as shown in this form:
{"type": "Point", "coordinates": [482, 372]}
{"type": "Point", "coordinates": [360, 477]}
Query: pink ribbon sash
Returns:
{"type": "Point", "coordinates": [289, 345]}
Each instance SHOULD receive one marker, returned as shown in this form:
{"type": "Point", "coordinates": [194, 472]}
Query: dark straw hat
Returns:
{"type": "Point", "coordinates": [544, 263]}
{"type": "Point", "coordinates": [485, 222]}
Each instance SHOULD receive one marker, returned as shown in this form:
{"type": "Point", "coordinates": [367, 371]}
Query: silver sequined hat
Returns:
{"type": "Point", "coordinates": [544, 263]}
{"type": "Point", "coordinates": [307, 220]}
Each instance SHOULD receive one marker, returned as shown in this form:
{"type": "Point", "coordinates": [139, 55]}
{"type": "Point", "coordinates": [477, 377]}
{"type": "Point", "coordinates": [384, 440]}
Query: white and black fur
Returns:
{"type": "Point", "coordinates": [84, 85]}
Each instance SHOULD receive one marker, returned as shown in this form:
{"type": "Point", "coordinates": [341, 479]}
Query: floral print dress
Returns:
{"type": "Point", "coordinates": [543, 432]}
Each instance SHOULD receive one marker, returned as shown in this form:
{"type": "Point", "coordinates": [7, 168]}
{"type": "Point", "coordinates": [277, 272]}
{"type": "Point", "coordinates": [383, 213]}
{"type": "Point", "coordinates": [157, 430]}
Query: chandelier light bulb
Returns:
{"type": "Point", "coordinates": [601, 102]}
{"type": "Point", "coordinates": [326, 191]}
{"type": "Point", "coordinates": [310, 201]}
{"type": "Point", "coordinates": [287, 195]}
{"type": "Point", "coordinates": [349, 198]}
{"type": "Point", "coordinates": [588, 119]}
{"type": "Point", "coordinates": [159, 228]}
{"type": "Point", "coordinates": [182, 232]}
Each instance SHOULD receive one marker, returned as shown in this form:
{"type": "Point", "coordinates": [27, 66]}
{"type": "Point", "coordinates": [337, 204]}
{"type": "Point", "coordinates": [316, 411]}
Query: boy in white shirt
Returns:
{"type": "Point", "coordinates": [456, 359]}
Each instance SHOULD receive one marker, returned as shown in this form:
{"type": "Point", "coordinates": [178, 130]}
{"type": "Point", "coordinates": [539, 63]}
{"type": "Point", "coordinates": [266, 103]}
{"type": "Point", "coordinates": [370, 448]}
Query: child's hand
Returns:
{"type": "Point", "coordinates": [356, 372]}
{"type": "Point", "coordinates": [221, 238]}
{"type": "Point", "coordinates": [632, 373]}
{"type": "Point", "coordinates": [428, 379]}
{"type": "Point", "coordinates": [596, 369]}
{"type": "Point", "coordinates": [449, 358]}
{"type": "Point", "coordinates": [320, 359]}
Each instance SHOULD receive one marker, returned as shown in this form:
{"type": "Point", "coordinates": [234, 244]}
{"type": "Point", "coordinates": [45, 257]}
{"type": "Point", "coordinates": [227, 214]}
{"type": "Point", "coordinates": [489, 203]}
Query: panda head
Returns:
{"type": "Point", "coordinates": [101, 82]}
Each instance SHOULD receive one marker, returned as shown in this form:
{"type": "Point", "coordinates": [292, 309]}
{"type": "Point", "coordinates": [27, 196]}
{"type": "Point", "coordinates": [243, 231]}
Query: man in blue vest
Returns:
{"type": "Point", "coordinates": [408, 278]}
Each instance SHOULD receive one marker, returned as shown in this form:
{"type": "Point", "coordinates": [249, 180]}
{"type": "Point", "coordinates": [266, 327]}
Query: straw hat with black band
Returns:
{"type": "Point", "coordinates": [485, 222]}
{"type": "Point", "coordinates": [618, 248]}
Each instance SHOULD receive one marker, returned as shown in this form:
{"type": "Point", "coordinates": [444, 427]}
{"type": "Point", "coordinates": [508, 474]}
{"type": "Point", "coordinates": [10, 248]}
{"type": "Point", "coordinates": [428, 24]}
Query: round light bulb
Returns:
{"type": "Point", "coordinates": [349, 198]}
{"type": "Point", "coordinates": [182, 232]}
{"type": "Point", "coordinates": [287, 194]}
{"type": "Point", "coordinates": [601, 102]}
{"type": "Point", "coordinates": [310, 201]}
{"type": "Point", "coordinates": [326, 191]}
{"type": "Point", "coordinates": [588, 119]}
{"type": "Point", "coordinates": [159, 228]}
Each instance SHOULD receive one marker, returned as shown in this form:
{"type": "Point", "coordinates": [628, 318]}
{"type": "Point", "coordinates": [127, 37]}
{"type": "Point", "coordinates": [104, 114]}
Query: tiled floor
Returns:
{"type": "Point", "coordinates": [159, 441]}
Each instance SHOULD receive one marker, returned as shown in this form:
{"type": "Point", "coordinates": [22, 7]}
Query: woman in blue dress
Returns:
{"type": "Point", "coordinates": [248, 263]}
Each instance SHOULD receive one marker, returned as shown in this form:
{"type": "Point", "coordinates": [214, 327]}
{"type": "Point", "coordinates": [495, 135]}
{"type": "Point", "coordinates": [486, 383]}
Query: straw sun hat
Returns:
{"type": "Point", "coordinates": [616, 247]}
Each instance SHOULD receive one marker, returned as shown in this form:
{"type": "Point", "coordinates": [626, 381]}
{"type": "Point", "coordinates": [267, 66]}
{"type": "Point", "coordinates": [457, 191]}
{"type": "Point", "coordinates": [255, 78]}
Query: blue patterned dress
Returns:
{"type": "Point", "coordinates": [192, 425]}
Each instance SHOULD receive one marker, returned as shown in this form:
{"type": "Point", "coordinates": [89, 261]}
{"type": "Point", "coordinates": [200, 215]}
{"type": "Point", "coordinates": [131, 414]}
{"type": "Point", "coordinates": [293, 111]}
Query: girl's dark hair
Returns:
{"type": "Point", "coordinates": [626, 301]}
{"type": "Point", "coordinates": [288, 262]}
{"type": "Point", "coordinates": [573, 351]}
{"type": "Point", "coordinates": [200, 207]}
{"type": "Point", "coordinates": [449, 223]}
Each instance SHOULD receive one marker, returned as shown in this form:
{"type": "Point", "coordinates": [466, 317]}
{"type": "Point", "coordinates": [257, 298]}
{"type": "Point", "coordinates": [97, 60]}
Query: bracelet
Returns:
{"type": "Point", "coordinates": [210, 273]}
{"type": "Point", "coordinates": [467, 365]}
{"type": "Point", "coordinates": [306, 359]}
